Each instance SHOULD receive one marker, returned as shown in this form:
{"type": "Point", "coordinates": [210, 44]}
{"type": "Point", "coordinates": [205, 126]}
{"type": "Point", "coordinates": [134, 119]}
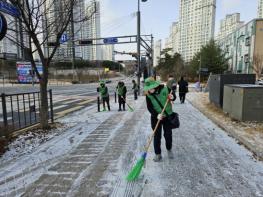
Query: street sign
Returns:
{"type": "Point", "coordinates": [64, 38]}
{"type": "Point", "coordinates": [204, 71]}
{"type": "Point", "coordinates": [3, 26]}
{"type": "Point", "coordinates": [9, 9]}
{"type": "Point", "coordinates": [112, 40]}
{"type": "Point", "coordinates": [107, 69]}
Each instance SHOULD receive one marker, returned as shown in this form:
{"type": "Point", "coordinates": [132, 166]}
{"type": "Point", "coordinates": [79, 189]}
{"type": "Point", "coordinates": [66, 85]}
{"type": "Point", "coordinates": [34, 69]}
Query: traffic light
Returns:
{"type": "Point", "coordinates": [52, 44]}
{"type": "Point", "coordinates": [134, 55]}
{"type": "Point", "coordinates": [85, 42]}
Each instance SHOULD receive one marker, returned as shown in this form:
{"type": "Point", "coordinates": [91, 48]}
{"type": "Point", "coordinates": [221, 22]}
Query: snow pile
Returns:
{"type": "Point", "coordinates": [248, 133]}
{"type": "Point", "coordinates": [28, 142]}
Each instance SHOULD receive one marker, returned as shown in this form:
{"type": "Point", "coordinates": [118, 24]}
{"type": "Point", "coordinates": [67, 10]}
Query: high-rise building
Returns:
{"type": "Point", "coordinates": [229, 24]}
{"type": "Point", "coordinates": [175, 34]}
{"type": "Point", "coordinates": [168, 43]}
{"type": "Point", "coordinates": [6, 45]}
{"type": "Point", "coordinates": [260, 8]}
{"type": "Point", "coordinates": [93, 30]}
{"type": "Point", "coordinates": [197, 25]}
{"type": "Point", "coordinates": [173, 40]}
{"type": "Point", "coordinates": [11, 45]}
{"type": "Point", "coordinates": [108, 52]}
{"type": "Point", "coordinates": [86, 25]}
{"type": "Point", "coordinates": [157, 52]}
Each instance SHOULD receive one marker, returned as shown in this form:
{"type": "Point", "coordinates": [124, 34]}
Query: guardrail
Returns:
{"type": "Point", "coordinates": [18, 111]}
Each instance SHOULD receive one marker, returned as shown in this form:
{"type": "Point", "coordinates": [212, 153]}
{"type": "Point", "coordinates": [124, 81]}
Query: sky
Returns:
{"type": "Point", "coordinates": [118, 17]}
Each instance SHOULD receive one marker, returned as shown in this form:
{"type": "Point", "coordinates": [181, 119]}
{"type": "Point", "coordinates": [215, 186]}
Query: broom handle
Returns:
{"type": "Point", "coordinates": [126, 102]}
{"type": "Point", "coordinates": [156, 126]}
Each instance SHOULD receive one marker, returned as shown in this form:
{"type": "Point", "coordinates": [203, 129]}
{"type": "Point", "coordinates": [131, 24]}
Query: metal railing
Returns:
{"type": "Point", "coordinates": [18, 111]}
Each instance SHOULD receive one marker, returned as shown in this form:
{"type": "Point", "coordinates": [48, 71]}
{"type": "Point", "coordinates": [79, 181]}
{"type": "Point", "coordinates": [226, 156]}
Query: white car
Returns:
{"type": "Point", "coordinates": [259, 82]}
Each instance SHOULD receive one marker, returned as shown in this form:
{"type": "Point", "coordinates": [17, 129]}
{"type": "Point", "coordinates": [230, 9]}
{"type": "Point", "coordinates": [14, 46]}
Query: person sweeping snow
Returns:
{"type": "Point", "coordinates": [156, 97]}
{"type": "Point", "coordinates": [121, 90]}
{"type": "Point", "coordinates": [158, 101]}
{"type": "Point", "coordinates": [104, 94]}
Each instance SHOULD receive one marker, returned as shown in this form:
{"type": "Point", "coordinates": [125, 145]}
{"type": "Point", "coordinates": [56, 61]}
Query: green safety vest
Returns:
{"type": "Point", "coordinates": [120, 90]}
{"type": "Point", "coordinates": [103, 92]}
{"type": "Point", "coordinates": [162, 97]}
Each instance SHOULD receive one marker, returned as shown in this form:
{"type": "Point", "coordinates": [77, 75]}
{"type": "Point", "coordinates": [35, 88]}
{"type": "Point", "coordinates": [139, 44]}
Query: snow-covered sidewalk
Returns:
{"type": "Point", "coordinates": [95, 154]}
{"type": "Point", "coordinates": [207, 162]}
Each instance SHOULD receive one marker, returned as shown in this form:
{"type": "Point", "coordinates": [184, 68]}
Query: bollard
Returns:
{"type": "Point", "coordinates": [98, 99]}
{"type": "Point", "coordinates": [115, 96]}
{"type": "Point", "coordinates": [51, 106]}
{"type": "Point", "coordinates": [3, 97]}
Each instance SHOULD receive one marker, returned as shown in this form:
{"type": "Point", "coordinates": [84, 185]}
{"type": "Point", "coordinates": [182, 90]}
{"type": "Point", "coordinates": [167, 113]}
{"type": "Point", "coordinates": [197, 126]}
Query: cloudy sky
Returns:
{"type": "Point", "coordinates": [118, 16]}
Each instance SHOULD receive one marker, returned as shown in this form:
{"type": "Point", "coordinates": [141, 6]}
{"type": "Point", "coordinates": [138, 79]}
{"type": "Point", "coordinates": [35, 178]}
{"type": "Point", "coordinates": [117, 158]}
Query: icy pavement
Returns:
{"type": "Point", "coordinates": [207, 162]}
{"type": "Point", "coordinates": [93, 157]}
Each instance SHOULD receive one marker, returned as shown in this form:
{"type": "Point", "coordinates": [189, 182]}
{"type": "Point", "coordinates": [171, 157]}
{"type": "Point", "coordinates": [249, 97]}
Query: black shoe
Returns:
{"type": "Point", "coordinates": [119, 110]}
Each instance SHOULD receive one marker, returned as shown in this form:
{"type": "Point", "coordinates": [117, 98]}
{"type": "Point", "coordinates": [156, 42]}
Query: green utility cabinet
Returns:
{"type": "Point", "coordinates": [244, 102]}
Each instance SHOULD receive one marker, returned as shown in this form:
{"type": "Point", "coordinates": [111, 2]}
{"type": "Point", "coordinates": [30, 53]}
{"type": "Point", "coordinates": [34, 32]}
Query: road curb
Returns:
{"type": "Point", "coordinates": [251, 147]}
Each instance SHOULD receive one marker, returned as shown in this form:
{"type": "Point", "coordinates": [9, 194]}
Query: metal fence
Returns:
{"type": "Point", "coordinates": [18, 111]}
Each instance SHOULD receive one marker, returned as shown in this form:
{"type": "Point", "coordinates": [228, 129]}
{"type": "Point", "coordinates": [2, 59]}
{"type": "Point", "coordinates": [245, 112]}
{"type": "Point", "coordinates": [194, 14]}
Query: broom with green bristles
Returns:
{"type": "Point", "coordinates": [135, 172]}
{"type": "Point", "coordinates": [130, 108]}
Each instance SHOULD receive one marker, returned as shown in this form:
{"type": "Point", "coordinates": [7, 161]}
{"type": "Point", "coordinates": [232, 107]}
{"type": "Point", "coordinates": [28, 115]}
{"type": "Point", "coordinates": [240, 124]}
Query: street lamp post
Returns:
{"type": "Point", "coordinates": [139, 43]}
{"type": "Point", "coordinates": [72, 43]}
{"type": "Point", "coordinates": [236, 51]}
{"type": "Point", "coordinates": [200, 65]}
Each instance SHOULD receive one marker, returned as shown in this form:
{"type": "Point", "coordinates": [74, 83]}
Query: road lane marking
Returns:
{"type": "Point", "coordinates": [69, 110]}
{"type": "Point", "coordinates": [60, 106]}
{"type": "Point", "coordinates": [72, 101]}
{"type": "Point", "coordinates": [86, 102]}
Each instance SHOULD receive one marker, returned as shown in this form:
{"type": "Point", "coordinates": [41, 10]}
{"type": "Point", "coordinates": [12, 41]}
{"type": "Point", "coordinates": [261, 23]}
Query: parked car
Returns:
{"type": "Point", "coordinates": [108, 81]}
{"type": "Point", "coordinates": [260, 81]}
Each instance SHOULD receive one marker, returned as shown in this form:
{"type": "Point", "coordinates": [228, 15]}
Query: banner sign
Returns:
{"type": "Point", "coordinates": [25, 73]}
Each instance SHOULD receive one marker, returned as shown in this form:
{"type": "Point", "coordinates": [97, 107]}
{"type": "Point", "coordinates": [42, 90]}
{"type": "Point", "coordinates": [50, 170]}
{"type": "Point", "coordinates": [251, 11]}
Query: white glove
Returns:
{"type": "Point", "coordinates": [160, 117]}
{"type": "Point", "coordinates": [171, 97]}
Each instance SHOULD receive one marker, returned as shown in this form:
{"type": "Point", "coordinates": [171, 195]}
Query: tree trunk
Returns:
{"type": "Point", "coordinates": [44, 97]}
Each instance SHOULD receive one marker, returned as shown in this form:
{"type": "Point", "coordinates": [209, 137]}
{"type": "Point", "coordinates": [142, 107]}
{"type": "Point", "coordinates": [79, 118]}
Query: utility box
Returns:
{"type": "Point", "coordinates": [244, 102]}
{"type": "Point", "coordinates": [217, 83]}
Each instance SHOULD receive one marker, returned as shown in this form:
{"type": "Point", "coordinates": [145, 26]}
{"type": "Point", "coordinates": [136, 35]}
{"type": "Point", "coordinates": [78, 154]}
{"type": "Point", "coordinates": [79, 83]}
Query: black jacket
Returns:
{"type": "Point", "coordinates": [183, 86]}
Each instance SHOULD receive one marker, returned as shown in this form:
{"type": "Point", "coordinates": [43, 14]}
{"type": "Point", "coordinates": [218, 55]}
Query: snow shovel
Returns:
{"type": "Point", "coordinates": [130, 108]}
{"type": "Point", "coordinates": [135, 172]}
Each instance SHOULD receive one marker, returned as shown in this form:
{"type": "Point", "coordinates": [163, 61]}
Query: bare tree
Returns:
{"type": "Point", "coordinates": [43, 21]}
{"type": "Point", "coordinates": [258, 64]}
